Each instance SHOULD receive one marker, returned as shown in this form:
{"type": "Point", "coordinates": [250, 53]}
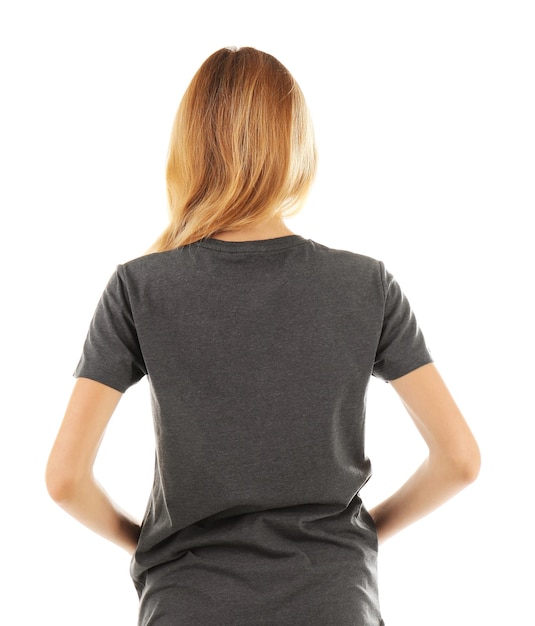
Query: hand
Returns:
{"type": "Point", "coordinates": [374, 515]}
{"type": "Point", "coordinates": [131, 534]}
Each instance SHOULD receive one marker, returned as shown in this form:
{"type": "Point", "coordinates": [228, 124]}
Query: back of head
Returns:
{"type": "Point", "coordinates": [242, 148]}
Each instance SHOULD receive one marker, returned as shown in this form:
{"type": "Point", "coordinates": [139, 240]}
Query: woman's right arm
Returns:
{"type": "Point", "coordinates": [453, 461]}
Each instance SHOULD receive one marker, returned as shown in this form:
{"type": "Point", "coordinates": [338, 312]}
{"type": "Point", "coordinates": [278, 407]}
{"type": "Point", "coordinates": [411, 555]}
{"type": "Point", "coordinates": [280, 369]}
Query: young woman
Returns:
{"type": "Point", "coordinates": [258, 345]}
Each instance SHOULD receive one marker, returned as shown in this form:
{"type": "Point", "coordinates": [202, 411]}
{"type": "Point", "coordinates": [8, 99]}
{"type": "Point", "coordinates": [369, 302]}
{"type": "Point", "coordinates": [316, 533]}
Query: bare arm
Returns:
{"type": "Point", "coordinates": [69, 472]}
{"type": "Point", "coordinates": [453, 461]}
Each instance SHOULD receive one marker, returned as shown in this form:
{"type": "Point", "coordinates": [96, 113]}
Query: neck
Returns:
{"type": "Point", "coordinates": [268, 230]}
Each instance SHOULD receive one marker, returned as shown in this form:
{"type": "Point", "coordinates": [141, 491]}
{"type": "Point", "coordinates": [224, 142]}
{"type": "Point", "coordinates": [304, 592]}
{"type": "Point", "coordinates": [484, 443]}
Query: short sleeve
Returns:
{"type": "Point", "coordinates": [111, 352]}
{"type": "Point", "coordinates": [401, 348]}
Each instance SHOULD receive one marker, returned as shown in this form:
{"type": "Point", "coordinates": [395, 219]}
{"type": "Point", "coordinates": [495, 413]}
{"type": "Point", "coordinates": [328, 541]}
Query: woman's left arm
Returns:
{"type": "Point", "coordinates": [69, 471]}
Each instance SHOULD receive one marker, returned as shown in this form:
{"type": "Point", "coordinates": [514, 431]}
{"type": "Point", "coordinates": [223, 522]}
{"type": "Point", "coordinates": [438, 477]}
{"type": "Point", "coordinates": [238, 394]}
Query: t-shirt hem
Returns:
{"type": "Point", "coordinates": [394, 374]}
{"type": "Point", "coordinates": [100, 378]}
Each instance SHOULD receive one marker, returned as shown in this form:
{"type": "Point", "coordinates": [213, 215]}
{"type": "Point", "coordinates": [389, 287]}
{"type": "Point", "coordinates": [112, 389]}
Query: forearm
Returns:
{"type": "Point", "coordinates": [432, 484]}
{"type": "Point", "coordinates": [91, 506]}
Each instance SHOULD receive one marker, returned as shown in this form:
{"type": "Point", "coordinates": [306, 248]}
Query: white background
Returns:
{"type": "Point", "coordinates": [424, 116]}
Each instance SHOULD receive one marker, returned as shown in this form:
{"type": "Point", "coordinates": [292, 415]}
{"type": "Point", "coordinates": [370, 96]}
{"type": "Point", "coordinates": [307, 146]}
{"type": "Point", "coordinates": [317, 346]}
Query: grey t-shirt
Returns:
{"type": "Point", "coordinates": [258, 356]}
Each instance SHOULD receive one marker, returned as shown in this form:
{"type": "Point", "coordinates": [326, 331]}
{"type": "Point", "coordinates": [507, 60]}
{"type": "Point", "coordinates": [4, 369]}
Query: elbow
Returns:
{"type": "Point", "coordinates": [472, 462]}
{"type": "Point", "coordinates": [470, 466]}
{"type": "Point", "coordinates": [57, 486]}
{"type": "Point", "coordinates": [60, 484]}
{"type": "Point", "coordinates": [463, 465]}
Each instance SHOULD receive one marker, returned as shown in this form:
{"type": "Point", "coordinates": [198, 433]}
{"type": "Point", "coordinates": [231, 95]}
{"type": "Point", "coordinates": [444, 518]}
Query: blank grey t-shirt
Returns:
{"type": "Point", "coordinates": [258, 356]}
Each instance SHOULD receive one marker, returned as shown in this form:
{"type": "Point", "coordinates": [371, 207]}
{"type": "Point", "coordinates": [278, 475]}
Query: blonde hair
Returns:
{"type": "Point", "coordinates": [242, 148]}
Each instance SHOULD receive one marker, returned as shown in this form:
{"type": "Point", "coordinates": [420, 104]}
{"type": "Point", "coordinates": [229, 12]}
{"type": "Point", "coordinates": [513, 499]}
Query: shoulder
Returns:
{"type": "Point", "coordinates": [357, 264]}
{"type": "Point", "coordinates": [146, 261]}
{"type": "Point", "coordinates": [150, 266]}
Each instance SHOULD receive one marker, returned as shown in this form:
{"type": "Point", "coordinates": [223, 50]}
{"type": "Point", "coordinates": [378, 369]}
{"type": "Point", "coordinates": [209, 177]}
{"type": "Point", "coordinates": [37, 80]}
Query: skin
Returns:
{"type": "Point", "coordinates": [69, 472]}
{"type": "Point", "coordinates": [454, 457]}
{"type": "Point", "coordinates": [453, 461]}
{"type": "Point", "coordinates": [274, 227]}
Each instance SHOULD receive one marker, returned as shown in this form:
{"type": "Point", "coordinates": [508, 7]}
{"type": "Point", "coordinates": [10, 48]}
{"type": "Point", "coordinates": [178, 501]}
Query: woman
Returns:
{"type": "Point", "coordinates": [258, 345]}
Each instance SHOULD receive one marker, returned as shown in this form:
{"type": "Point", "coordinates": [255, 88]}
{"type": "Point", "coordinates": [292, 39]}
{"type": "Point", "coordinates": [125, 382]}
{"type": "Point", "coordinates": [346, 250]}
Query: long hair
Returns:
{"type": "Point", "coordinates": [242, 148]}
